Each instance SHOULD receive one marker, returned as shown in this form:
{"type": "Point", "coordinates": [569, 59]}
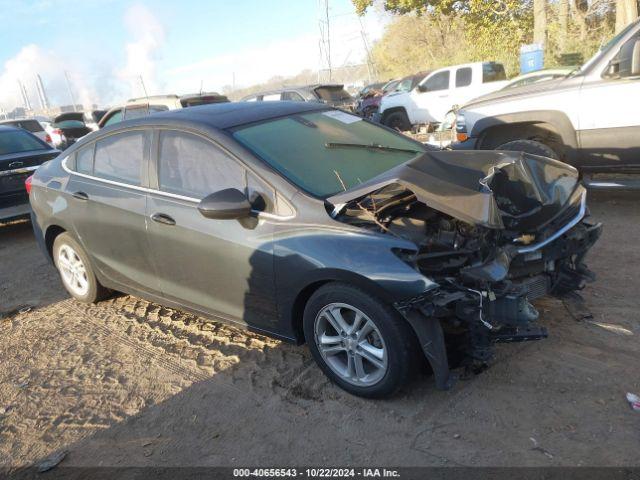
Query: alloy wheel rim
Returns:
{"type": "Point", "coordinates": [72, 270]}
{"type": "Point", "coordinates": [351, 344]}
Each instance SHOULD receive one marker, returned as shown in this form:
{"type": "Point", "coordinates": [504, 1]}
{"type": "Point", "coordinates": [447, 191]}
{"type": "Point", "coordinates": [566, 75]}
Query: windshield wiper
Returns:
{"type": "Point", "coordinates": [371, 146]}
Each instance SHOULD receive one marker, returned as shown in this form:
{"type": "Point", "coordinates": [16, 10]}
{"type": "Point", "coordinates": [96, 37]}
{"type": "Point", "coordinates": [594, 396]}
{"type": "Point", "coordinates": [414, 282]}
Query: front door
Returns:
{"type": "Point", "coordinates": [609, 130]}
{"type": "Point", "coordinates": [432, 98]}
{"type": "Point", "coordinates": [221, 267]}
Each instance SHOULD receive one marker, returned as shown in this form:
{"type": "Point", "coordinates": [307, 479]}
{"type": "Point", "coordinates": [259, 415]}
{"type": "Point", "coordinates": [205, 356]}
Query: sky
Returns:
{"type": "Point", "coordinates": [104, 46]}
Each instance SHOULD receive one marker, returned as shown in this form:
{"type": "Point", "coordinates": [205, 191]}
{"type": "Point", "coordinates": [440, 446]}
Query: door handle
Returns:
{"type": "Point", "coordinates": [162, 218]}
{"type": "Point", "coordinates": [80, 195]}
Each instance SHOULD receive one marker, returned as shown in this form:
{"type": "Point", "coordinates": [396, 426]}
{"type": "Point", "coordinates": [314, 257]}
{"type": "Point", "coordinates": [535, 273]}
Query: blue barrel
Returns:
{"type": "Point", "coordinates": [531, 57]}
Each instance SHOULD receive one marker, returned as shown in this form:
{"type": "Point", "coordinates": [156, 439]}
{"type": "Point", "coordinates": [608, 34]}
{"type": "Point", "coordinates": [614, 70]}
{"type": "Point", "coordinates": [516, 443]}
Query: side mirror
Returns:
{"type": "Point", "coordinates": [422, 88]}
{"type": "Point", "coordinates": [635, 59]}
{"type": "Point", "coordinates": [226, 204]}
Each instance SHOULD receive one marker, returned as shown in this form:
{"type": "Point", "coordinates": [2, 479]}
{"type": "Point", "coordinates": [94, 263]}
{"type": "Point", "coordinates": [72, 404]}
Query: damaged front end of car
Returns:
{"type": "Point", "coordinates": [494, 230]}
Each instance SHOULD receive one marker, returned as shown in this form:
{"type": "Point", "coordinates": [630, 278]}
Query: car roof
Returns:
{"type": "Point", "coordinates": [228, 115]}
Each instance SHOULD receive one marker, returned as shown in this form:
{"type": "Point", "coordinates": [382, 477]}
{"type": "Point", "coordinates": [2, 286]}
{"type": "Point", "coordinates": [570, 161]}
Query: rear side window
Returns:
{"type": "Point", "coordinates": [292, 96]}
{"type": "Point", "coordinates": [84, 160]}
{"type": "Point", "coordinates": [272, 97]}
{"type": "Point", "coordinates": [120, 157]}
{"type": "Point", "coordinates": [463, 77]}
{"type": "Point", "coordinates": [194, 167]}
{"type": "Point", "coordinates": [439, 81]}
{"type": "Point", "coordinates": [492, 72]}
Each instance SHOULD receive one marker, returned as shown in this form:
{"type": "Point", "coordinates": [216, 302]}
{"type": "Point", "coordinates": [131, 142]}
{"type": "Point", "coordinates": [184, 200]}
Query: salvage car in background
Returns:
{"type": "Point", "coordinates": [314, 225]}
{"type": "Point", "coordinates": [74, 125]}
{"type": "Point", "coordinates": [141, 107]}
{"type": "Point", "coordinates": [434, 96]}
{"type": "Point", "coordinates": [30, 125]}
{"type": "Point", "coordinates": [21, 153]}
{"type": "Point", "coordinates": [588, 119]}
{"type": "Point", "coordinates": [332, 94]}
{"type": "Point", "coordinates": [368, 106]}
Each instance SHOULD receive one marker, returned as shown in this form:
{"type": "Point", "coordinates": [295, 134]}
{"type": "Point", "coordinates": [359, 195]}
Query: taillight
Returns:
{"type": "Point", "coordinates": [27, 184]}
{"type": "Point", "coordinates": [47, 138]}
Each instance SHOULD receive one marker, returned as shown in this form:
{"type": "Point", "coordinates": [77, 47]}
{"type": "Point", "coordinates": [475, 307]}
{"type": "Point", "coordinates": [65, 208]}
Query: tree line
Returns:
{"type": "Point", "coordinates": [427, 34]}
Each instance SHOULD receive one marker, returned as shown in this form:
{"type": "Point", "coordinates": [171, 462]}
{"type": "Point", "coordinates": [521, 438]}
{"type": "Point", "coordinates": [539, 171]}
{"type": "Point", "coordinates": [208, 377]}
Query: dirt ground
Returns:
{"type": "Point", "coordinates": [130, 383]}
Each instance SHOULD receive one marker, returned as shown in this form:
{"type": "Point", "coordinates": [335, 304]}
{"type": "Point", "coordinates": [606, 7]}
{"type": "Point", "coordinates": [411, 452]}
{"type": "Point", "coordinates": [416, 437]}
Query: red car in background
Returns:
{"type": "Point", "coordinates": [369, 101]}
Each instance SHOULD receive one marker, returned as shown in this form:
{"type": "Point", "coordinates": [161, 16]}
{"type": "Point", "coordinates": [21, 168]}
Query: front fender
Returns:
{"type": "Point", "coordinates": [308, 257]}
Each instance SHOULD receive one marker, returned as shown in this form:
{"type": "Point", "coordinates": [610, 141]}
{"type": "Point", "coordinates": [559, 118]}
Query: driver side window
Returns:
{"type": "Point", "coordinates": [627, 62]}
{"type": "Point", "coordinates": [439, 81]}
{"type": "Point", "coordinates": [194, 167]}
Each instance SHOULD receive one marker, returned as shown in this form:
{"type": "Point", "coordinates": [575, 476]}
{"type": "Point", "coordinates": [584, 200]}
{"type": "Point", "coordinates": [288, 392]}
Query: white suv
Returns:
{"type": "Point", "coordinates": [590, 118]}
{"type": "Point", "coordinates": [440, 90]}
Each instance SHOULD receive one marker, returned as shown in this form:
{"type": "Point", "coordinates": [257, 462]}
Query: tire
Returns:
{"type": "Point", "coordinates": [398, 121]}
{"type": "Point", "coordinates": [75, 270]}
{"type": "Point", "coordinates": [369, 112]}
{"type": "Point", "coordinates": [382, 360]}
{"type": "Point", "coordinates": [530, 146]}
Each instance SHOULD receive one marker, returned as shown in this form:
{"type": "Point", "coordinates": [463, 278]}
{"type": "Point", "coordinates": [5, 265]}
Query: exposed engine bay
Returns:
{"type": "Point", "coordinates": [487, 277]}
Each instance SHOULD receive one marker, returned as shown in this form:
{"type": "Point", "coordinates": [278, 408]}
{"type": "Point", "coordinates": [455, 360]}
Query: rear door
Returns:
{"type": "Point", "coordinates": [222, 267]}
{"type": "Point", "coordinates": [107, 200]}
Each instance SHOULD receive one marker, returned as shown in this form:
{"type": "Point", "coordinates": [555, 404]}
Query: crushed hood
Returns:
{"type": "Point", "coordinates": [501, 190]}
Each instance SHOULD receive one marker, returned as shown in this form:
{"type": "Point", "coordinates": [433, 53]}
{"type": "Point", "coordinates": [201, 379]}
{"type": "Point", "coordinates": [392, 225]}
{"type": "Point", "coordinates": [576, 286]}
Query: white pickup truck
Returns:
{"type": "Point", "coordinates": [434, 96]}
{"type": "Point", "coordinates": [589, 118]}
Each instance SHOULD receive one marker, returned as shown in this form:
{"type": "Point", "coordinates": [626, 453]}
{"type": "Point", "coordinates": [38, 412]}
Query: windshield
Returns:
{"type": "Point", "coordinates": [327, 152]}
{"type": "Point", "coordinates": [17, 141]}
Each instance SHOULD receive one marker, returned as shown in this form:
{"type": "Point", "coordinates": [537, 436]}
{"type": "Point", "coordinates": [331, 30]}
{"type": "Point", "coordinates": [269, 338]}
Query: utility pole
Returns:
{"type": "Point", "coordinates": [371, 66]}
{"type": "Point", "coordinates": [144, 89]}
{"type": "Point", "coordinates": [73, 99]}
{"type": "Point", "coordinates": [42, 94]}
{"type": "Point", "coordinates": [325, 35]}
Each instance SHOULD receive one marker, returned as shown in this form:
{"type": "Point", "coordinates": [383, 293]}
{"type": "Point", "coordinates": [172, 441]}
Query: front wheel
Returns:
{"type": "Point", "coordinates": [398, 121]}
{"type": "Point", "coordinates": [360, 343]}
{"type": "Point", "coordinates": [75, 270]}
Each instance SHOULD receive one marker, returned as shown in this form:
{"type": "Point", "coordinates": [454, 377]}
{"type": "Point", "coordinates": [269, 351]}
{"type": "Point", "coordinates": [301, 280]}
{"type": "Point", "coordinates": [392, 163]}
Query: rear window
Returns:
{"type": "Point", "coordinates": [332, 94]}
{"type": "Point", "coordinates": [70, 124]}
{"type": "Point", "coordinates": [31, 125]}
{"type": "Point", "coordinates": [203, 100]}
{"type": "Point", "coordinates": [17, 141]}
{"type": "Point", "coordinates": [493, 72]}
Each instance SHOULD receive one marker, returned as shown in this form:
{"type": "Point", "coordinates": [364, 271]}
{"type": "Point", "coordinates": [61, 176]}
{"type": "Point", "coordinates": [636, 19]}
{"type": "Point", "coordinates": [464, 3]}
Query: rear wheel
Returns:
{"type": "Point", "coordinates": [360, 343]}
{"type": "Point", "coordinates": [75, 270]}
{"type": "Point", "coordinates": [398, 121]}
{"type": "Point", "coordinates": [530, 146]}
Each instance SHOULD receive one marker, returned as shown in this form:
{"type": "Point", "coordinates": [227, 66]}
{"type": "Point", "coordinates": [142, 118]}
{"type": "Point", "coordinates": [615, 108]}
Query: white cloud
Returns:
{"type": "Point", "coordinates": [143, 52]}
{"type": "Point", "coordinates": [32, 60]}
{"type": "Point", "coordinates": [258, 63]}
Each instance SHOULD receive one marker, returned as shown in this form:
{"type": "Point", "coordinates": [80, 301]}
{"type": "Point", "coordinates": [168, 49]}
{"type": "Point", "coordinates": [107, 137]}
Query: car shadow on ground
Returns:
{"type": "Point", "coordinates": [26, 276]}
